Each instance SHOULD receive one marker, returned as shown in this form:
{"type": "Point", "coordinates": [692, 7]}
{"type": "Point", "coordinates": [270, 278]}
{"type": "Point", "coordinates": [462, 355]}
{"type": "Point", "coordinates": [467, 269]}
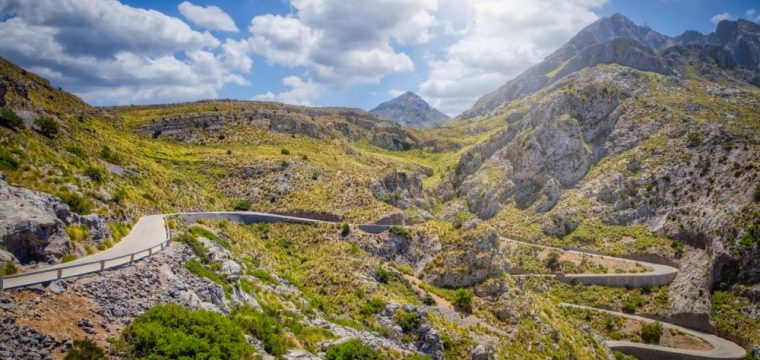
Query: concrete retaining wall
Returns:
{"type": "Point", "coordinates": [619, 280]}
{"type": "Point", "coordinates": [373, 228]}
{"type": "Point", "coordinates": [245, 218]}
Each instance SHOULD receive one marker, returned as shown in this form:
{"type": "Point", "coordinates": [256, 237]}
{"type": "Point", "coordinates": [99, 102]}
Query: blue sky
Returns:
{"type": "Point", "coordinates": [354, 53]}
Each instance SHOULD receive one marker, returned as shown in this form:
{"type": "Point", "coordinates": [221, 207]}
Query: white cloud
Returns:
{"type": "Point", "coordinates": [301, 92]}
{"type": "Point", "coordinates": [342, 43]}
{"type": "Point", "coordinates": [395, 92]}
{"type": "Point", "coordinates": [110, 53]}
{"type": "Point", "coordinates": [752, 15]}
{"type": "Point", "coordinates": [720, 17]}
{"type": "Point", "coordinates": [496, 40]}
{"type": "Point", "coordinates": [209, 17]}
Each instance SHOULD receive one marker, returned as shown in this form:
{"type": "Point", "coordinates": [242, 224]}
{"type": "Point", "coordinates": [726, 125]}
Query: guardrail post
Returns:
{"type": "Point", "coordinates": [2, 286]}
{"type": "Point", "coordinates": [150, 251]}
{"type": "Point", "coordinates": [131, 258]}
{"type": "Point", "coordinates": [60, 273]}
{"type": "Point", "coordinates": [102, 265]}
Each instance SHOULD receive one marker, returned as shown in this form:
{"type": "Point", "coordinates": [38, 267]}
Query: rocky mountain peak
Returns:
{"type": "Point", "coordinates": [410, 110]}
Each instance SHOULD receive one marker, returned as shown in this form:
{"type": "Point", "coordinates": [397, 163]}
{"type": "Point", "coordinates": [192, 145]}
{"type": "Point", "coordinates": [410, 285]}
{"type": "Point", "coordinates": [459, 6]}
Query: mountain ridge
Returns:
{"type": "Point", "coordinates": [410, 110]}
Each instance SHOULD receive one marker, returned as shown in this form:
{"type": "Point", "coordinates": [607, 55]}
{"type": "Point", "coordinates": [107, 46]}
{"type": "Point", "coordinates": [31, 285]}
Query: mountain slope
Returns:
{"type": "Point", "coordinates": [410, 110]}
{"type": "Point", "coordinates": [739, 38]}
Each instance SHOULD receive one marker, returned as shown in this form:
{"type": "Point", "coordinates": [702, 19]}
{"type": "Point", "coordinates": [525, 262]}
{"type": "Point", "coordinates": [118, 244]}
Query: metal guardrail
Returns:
{"type": "Point", "coordinates": [97, 266]}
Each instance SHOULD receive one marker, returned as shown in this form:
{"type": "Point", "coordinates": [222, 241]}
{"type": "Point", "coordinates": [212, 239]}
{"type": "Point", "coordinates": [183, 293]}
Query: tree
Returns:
{"type": "Point", "coordinates": [85, 349]}
{"type": "Point", "coordinates": [345, 230]}
{"type": "Point", "coordinates": [651, 332]}
{"type": "Point", "coordinates": [9, 119]}
{"type": "Point", "coordinates": [463, 299]}
{"type": "Point", "coordinates": [47, 126]}
{"type": "Point", "coordinates": [552, 261]}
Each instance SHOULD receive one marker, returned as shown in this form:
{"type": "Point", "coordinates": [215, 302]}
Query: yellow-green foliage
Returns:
{"type": "Point", "coordinates": [731, 320]}
{"type": "Point", "coordinates": [78, 233]}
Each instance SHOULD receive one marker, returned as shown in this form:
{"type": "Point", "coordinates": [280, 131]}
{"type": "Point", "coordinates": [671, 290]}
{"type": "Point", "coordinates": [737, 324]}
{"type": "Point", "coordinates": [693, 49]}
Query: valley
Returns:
{"type": "Point", "coordinates": [603, 204]}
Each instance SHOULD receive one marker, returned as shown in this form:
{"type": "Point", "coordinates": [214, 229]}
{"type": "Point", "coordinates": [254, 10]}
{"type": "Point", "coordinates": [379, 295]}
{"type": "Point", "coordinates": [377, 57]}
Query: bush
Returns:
{"type": "Point", "coordinates": [428, 300]}
{"type": "Point", "coordinates": [78, 233]}
{"type": "Point", "coordinates": [77, 203]}
{"type": "Point", "coordinates": [171, 331]}
{"type": "Point", "coordinates": [94, 173]}
{"type": "Point", "coordinates": [352, 349]}
{"type": "Point", "coordinates": [408, 321]}
{"type": "Point", "coordinates": [285, 151]}
{"type": "Point", "coordinates": [372, 307]}
{"type": "Point", "coordinates": [345, 230]}
{"type": "Point", "coordinates": [418, 357]}
{"type": "Point", "coordinates": [109, 155]}
{"type": "Point", "coordinates": [47, 126]}
{"type": "Point", "coordinates": [383, 275]}
{"type": "Point", "coordinates": [85, 350]}
{"type": "Point", "coordinates": [463, 299]}
{"type": "Point", "coordinates": [264, 326]}
{"type": "Point", "coordinates": [651, 332]}
{"type": "Point", "coordinates": [8, 162]}
{"type": "Point", "coordinates": [8, 269]}
{"type": "Point", "coordinates": [242, 205]}
{"type": "Point", "coordinates": [119, 196]}
{"type": "Point", "coordinates": [552, 261]}
{"type": "Point", "coordinates": [400, 230]}
{"type": "Point", "coordinates": [9, 119]}
{"type": "Point", "coordinates": [629, 308]}
{"type": "Point", "coordinates": [68, 258]}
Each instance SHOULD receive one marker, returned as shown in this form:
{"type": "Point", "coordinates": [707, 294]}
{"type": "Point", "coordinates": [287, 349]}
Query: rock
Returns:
{"type": "Point", "coordinates": [98, 227]}
{"type": "Point", "coordinates": [755, 351]}
{"type": "Point", "coordinates": [470, 262]}
{"type": "Point", "coordinates": [87, 326]}
{"type": "Point", "coordinates": [560, 224]}
{"type": "Point", "coordinates": [482, 352]}
{"type": "Point", "coordinates": [20, 342]}
{"type": "Point", "coordinates": [400, 189]}
{"type": "Point", "coordinates": [30, 228]}
{"type": "Point", "coordinates": [230, 267]}
{"type": "Point", "coordinates": [300, 355]}
{"type": "Point", "coordinates": [56, 287]}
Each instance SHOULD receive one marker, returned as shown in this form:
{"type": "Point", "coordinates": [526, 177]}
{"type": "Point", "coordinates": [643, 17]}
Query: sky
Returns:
{"type": "Point", "coordinates": [355, 53]}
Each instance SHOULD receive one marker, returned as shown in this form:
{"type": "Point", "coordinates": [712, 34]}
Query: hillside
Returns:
{"type": "Point", "coordinates": [623, 142]}
{"type": "Point", "coordinates": [410, 110]}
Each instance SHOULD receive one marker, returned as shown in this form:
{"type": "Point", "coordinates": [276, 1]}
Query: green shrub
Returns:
{"type": "Point", "coordinates": [285, 151]}
{"type": "Point", "coordinates": [428, 300]}
{"type": "Point", "coordinates": [382, 275]}
{"type": "Point", "coordinates": [94, 173]}
{"type": "Point", "coordinates": [242, 205]}
{"type": "Point", "coordinates": [8, 269]}
{"type": "Point", "coordinates": [199, 231]}
{"type": "Point", "coordinates": [85, 349]}
{"type": "Point", "coordinates": [629, 307]}
{"type": "Point", "coordinates": [9, 119]}
{"type": "Point", "coordinates": [194, 244]}
{"type": "Point", "coordinates": [264, 326]}
{"type": "Point", "coordinates": [47, 126]}
{"type": "Point", "coordinates": [76, 150]}
{"type": "Point", "coordinates": [109, 155]}
{"type": "Point", "coordinates": [372, 307]}
{"type": "Point", "coordinates": [352, 349]}
{"type": "Point", "coordinates": [400, 230]}
{"type": "Point", "coordinates": [119, 196]}
{"type": "Point", "coordinates": [171, 331]}
{"type": "Point", "coordinates": [418, 357]}
{"type": "Point", "coordinates": [345, 230]}
{"type": "Point", "coordinates": [8, 161]}
{"type": "Point", "coordinates": [263, 275]}
{"type": "Point", "coordinates": [552, 261]}
{"type": "Point", "coordinates": [651, 332]}
{"type": "Point", "coordinates": [77, 203]}
{"type": "Point", "coordinates": [463, 299]}
{"type": "Point", "coordinates": [68, 258]}
{"type": "Point", "coordinates": [409, 321]}
{"type": "Point", "coordinates": [78, 233]}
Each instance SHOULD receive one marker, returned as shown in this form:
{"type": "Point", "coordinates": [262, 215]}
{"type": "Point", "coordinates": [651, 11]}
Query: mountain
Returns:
{"type": "Point", "coordinates": [622, 142]}
{"type": "Point", "coordinates": [738, 37]}
{"type": "Point", "coordinates": [410, 110]}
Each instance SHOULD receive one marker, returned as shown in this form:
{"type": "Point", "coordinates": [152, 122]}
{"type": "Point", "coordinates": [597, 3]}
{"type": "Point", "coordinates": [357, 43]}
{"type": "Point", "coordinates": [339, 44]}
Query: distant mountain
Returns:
{"type": "Point", "coordinates": [410, 110]}
{"type": "Point", "coordinates": [611, 40]}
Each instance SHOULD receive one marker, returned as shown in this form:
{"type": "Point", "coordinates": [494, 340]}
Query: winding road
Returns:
{"type": "Point", "coordinates": [151, 234]}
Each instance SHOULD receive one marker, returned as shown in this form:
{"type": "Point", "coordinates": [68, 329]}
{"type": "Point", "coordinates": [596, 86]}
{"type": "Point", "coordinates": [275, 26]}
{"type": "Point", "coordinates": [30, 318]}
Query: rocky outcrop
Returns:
{"type": "Point", "coordinates": [20, 342]}
{"type": "Point", "coordinates": [400, 189]}
{"type": "Point", "coordinates": [33, 225]}
{"type": "Point", "coordinates": [410, 110]}
{"type": "Point", "coordinates": [468, 263]}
